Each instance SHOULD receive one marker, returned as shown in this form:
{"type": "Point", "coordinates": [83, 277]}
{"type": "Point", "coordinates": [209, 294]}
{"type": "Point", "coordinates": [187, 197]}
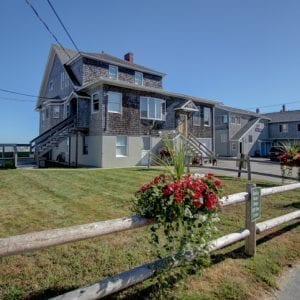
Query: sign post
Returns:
{"type": "Point", "coordinates": [253, 212]}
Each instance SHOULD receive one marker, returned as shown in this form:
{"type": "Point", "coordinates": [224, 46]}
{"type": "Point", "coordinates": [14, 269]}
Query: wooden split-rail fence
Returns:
{"type": "Point", "coordinates": [43, 239]}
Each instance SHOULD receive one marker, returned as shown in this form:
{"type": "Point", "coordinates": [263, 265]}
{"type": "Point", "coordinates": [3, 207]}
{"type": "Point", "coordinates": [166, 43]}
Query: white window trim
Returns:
{"type": "Point", "coordinates": [162, 101]}
{"type": "Point", "coordinates": [209, 120]}
{"type": "Point", "coordinates": [126, 155]}
{"type": "Point", "coordinates": [135, 81]}
{"type": "Point", "coordinates": [121, 104]}
{"type": "Point", "coordinates": [92, 103]}
{"type": "Point", "coordinates": [111, 77]}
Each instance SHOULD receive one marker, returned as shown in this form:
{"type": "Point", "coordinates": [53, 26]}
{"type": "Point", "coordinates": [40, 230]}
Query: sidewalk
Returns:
{"type": "Point", "coordinates": [290, 285]}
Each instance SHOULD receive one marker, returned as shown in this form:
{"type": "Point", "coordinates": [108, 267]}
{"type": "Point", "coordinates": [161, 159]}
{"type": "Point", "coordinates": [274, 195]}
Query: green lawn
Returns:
{"type": "Point", "coordinates": [33, 200]}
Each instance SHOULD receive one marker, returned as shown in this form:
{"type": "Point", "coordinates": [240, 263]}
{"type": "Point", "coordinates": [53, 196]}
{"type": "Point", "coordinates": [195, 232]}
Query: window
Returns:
{"type": "Point", "coordinates": [62, 79]}
{"type": "Point", "coordinates": [121, 146]}
{"type": "Point", "coordinates": [206, 116]}
{"type": "Point", "coordinates": [113, 72]}
{"type": "Point", "coordinates": [250, 138]}
{"type": "Point", "coordinates": [50, 86]}
{"type": "Point", "coordinates": [85, 148]}
{"type": "Point", "coordinates": [152, 108]}
{"type": "Point", "coordinates": [232, 120]}
{"type": "Point", "coordinates": [225, 119]}
{"type": "Point", "coordinates": [283, 128]}
{"type": "Point", "coordinates": [43, 115]}
{"type": "Point", "coordinates": [114, 102]}
{"type": "Point", "coordinates": [55, 112]}
{"type": "Point", "coordinates": [138, 78]}
{"type": "Point", "coordinates": [197, 117]}
{"type": "Point", "coordinates": [298, 125]}
{"type": "Point", "coordinates": [95, 102]}
{"type": "Point", "coordinates": [238, 120]}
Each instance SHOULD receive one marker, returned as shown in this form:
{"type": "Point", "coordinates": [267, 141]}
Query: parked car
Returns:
{"type": "Point", "coordinates": [275, 151]}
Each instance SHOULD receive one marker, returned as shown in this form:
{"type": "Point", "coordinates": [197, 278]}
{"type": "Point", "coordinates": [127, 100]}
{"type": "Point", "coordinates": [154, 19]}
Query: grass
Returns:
{"type": "Point", "coordinates": [33, 200]}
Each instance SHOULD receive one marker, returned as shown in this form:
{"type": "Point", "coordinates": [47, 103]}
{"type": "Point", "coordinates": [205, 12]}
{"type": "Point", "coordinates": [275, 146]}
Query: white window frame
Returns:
{"type": "Point", "coordinates": [136, 81]}
{"type": "Point", "coordinates": [207, 112]}
{"type": "Point", "coordinates": [126, 146]}
{"type": "Point", "coordinates": [55, 111]}
{"type": "Point", "coordinates": [92, 103]}
{"type": "Point", "coordinates": [199, 112]}
{"type": "Point", "coordinates": [233, 147]}
{"type": "Point", "coordinates": [162, 104]}
{"type": "Point", "coordinates": [120, 99]}
{"type": "Point", "coordinates": [110, 74]}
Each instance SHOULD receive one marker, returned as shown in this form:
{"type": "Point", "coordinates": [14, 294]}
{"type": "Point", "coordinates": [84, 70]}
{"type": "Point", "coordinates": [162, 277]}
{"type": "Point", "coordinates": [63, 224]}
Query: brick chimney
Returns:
{"type": "Point", "coordinates": [129, 57]}
{"type": "Point", "coordinates": [257, 110]}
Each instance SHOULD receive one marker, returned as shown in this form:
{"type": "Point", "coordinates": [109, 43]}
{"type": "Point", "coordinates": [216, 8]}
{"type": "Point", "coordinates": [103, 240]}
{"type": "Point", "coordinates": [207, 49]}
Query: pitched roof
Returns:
{"type": "Point", "coordinates": [284, 116]}
{"type": "Point", "coordinates": [67, 56]}
{"type": "Point", "coordinates": [240, 111]}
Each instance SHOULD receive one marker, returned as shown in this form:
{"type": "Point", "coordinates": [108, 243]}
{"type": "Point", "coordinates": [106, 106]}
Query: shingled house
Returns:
{"type": "Point", "coordinates": [99, 110]}
{"type": "Point", "coordinates": [240, 131]}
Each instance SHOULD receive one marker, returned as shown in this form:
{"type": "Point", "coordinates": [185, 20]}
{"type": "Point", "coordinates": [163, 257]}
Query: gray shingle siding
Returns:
{"type": "Point", "coordinates": [292, 133]}
{"type": "Point", "coordinates": [93, 70]}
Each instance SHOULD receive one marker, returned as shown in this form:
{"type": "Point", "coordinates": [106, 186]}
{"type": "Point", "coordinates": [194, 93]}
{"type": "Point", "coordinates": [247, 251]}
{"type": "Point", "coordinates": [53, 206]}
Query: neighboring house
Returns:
{"type": "Point", "coordinates": [99, 110]}
{"type": "Point", "coordinates": [239, 131]}
{"type": "Point", "coordinates": [284, 126]}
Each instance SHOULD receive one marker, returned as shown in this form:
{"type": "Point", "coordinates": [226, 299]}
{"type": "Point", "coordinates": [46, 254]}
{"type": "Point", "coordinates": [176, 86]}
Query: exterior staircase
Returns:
{"type": "Point", "coordinates": [197, 149]}
{"type": "Point", "coordinates": [49, 139]}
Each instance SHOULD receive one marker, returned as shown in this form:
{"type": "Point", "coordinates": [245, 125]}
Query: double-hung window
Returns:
{"type": "Point", "coordinates": [138, 78]}
{"type": "Point", "coordinates": [197, 117]}
{"type": "Point", "coordinates": [95, 103]}
{"type": "Point", "coordinates": [121, 146]}
{"type": "Point", "coordinates": [114, 102]}
{"type": "Point", "coordinates": [207, 116]}
{"type": "Point", "coordinates": [64, 81]}
{"type": "Point", "coordinates": [113, 72]}
{"type": "Point", "coordinates": [152, 108]}
{"type": "Point", "coordinates": [283, 128]}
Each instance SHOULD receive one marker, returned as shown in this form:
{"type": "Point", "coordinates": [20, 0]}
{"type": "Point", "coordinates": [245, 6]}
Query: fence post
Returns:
{"type": "Point", "coordinates": [241, 164]}
{"type": "Point", "coordinates": [250, 242]}
{"type": "Point", "coordinates": [16, 156]}
{"type": "Point", "coordinates": [249, 167]}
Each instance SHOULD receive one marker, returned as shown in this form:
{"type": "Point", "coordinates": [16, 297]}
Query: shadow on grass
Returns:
{"type": "Point", "coordinates": [145, 293]}
{"type": "Point", "coordinates": [294, 204]}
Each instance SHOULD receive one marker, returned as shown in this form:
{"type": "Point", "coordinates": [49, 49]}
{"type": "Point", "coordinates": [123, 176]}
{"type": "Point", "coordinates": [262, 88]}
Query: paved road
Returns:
{"type": "Point", "coordinates": [262, 169]}
{"type": "Point", "coordinates": [290, 286]}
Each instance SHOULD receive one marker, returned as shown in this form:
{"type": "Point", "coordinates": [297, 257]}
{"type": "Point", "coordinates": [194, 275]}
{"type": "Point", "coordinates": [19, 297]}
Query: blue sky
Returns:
{"type": "Point", "coordinates": [245, 54]}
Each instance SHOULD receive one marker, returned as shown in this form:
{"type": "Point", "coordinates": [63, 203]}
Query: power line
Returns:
{"type": "Point", "coordinates": [63, 26]}
{"type": "Point", "coordinates": [17, 100]}
{"type": "Point", "coordinates": [274, 105]}
{"type": "Point", "coordinates": [23, 94]}
{"type": "Point", "coordinates": [47, 27]}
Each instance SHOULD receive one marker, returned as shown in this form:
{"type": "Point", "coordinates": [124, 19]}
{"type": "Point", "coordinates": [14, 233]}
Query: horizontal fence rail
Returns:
{"type": "Point", "coordinates": [43, 239]}
{"type": "Point", "coordinates": [126, 279]}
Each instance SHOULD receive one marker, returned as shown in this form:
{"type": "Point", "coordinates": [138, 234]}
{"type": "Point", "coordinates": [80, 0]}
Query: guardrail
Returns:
{"type": "Point", "coordinates": [43, 239]}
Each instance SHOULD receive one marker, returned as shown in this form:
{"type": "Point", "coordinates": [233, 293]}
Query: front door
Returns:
{"type": "Point", "coordinates": [182, 124]}
{"type": "Point", "coordinates": [145, 152]}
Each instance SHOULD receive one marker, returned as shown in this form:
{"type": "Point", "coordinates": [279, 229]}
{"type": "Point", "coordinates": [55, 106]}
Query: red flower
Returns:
{"type": "Point", "coordinates": [211, 201]}
{"type": "Point", "coordinates": [218, 182]}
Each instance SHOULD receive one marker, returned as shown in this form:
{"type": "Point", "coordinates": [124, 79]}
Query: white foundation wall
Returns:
{"type": "Point", "coordinates": [134, 151]}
